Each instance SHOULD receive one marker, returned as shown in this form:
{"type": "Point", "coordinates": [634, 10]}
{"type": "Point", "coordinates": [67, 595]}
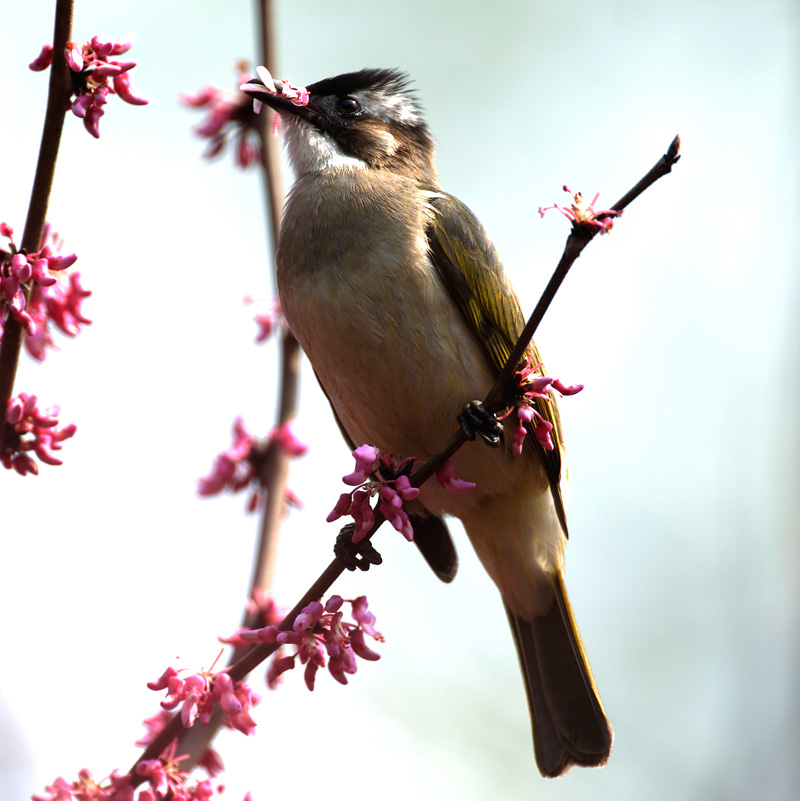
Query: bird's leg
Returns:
{"type": "Point", "coordinates": [476, 419]}
{"type": "Point", "coordinates": [355, 554]}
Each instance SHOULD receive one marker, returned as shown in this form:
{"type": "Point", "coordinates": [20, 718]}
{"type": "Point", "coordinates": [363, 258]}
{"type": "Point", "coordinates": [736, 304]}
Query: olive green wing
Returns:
{"type": "Point", "coordinates": [470, 268]}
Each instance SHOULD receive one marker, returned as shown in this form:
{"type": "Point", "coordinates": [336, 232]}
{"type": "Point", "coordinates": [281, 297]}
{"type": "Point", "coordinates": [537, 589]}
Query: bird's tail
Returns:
{"type": "Point", "coordinates": [569, 724]}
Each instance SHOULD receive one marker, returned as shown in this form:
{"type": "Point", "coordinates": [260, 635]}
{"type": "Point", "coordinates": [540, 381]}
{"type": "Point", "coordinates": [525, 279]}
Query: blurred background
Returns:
{"type": "Point", "coordinates": [683, 560]}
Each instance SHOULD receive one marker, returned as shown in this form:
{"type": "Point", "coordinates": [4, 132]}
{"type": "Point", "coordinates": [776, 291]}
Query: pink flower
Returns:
{"type": "Point", "coordinates": [233, 468]}
{"type": "Point", "coordinates": [59, 304]}
{"type": "Point", "coordinates": [287, 441]}
{"type": "Point", "coordinates": [578, 214]}
{"type": "Point", "coordinates": [28, 429]}
{"type": "Point", "coordinates": [43, 60]}
{"type": "Point", "coordinates": [54, 297]}
{"type": "Point", "coordinates": [242, 465]}
{"type": "Point", "coordinates": [391, 492]}
{"type": "Point", "coordinates": [367, 461]}
{"type": "Point", "coordinates": [391, 506]}
{"type": "Point", "coordinates": [97, 76]}
{"type": "Point", "coordinates": [531, 385]}
{"type": "Point", "coordinates": [446, 476]}
{"type": "Point", "coordinates": [164, 776]}
{"type": "Point", "coordinates": [320, 635]}
{"type": "Point", "coordinates": [197, 695]}
{"type": "Point", "coordinates": [297, 95]}
{"type": "Point", "coordinates": [59, 790]}
{"type": "Point", "coordinates": [268, 321]}
{"type": "Point", "coordinates": [229, 115]}
{"type": "Point", "coordinates": [261, 607]}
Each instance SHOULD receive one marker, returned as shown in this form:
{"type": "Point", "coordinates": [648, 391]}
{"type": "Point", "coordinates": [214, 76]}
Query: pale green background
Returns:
{"type": "Point", "coordinates": [683, 562]}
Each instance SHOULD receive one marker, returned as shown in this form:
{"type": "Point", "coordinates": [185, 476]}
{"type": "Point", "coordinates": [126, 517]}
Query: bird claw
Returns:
{"type": "Point", "coordinates": [355, 554]}
{"type": "Point", "coordinates": [475, 419]}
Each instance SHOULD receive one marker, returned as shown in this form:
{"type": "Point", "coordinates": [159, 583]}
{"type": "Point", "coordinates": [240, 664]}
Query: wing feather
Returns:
{"type": "Point", "coordinates": [470, 268]}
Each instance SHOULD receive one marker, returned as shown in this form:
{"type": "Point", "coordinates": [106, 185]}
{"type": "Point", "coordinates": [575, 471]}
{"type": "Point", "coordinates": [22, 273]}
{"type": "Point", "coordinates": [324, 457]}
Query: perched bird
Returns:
{"type": "Point", "coordinates": [399, 300]}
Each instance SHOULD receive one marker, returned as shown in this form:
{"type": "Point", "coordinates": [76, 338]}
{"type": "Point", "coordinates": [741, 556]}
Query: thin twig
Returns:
{"type": "Point", "coordinates": [274, 469]}
{"type": "Point", "coordinates": [59, 90]}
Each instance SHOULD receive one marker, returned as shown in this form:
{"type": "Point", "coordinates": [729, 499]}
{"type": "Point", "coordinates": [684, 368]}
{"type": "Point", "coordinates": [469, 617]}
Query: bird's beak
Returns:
{"type": "Point", "coordinates": [281, 96]}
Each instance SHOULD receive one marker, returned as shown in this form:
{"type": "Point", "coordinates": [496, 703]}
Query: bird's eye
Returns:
{"type": "Point", "coordinates": [349, 106]}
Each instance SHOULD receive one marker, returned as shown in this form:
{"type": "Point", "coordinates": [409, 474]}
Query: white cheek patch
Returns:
{"type": "Point", "coordinates": [392, 107]}
{"type": "Point", "coordinates": [310, 150]}
{"type": "Point", "coordinates": [387, 142]}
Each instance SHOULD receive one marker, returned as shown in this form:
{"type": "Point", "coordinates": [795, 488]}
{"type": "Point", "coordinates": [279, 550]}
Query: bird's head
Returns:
{"type": "Point", "coordinates": [366, 119]}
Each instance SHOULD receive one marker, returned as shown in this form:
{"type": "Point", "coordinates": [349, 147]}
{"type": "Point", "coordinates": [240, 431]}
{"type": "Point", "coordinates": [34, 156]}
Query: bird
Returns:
{"type": "Point", "coordinates": [400, 301]}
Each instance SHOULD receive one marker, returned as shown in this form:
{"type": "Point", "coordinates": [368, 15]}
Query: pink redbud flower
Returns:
{"type": "Point", "coordinates": [367, 461]}
{"type": "Point", "coordinates": [268, 321]}
{"type": "Point", "coordinates": [85, 788]}
{"type": "Point", "coordinates": [43, 60]}
{"type": "Point", "coordinates": [446, 476]}
{"type": "Point", "coordinates": [233, 468]}
{"type": "Point", "coordinates": [297, 95]}
{"type": "Point", "coordinates": [211, 761]}
{"type": "Point", "coordinates": [263, 608]}
{"type": "Point", "coordinates": [197, 694]}
{"type": "Point", "coordinates": [230, 115]}
{"type": "Point", "coordinates": [243, 463]}
{"type": "Point", "coordinates": [578, 213]}
{"type": "Point", "coordinates": [30, 430]}
{"type": "Point", "coordinates": [164, 776]}
{"type": "Point", "coordinates": [287, 441]}
{"type": "Point", "coordinates": [532, 386]}
{"type": "Point", "coordinates": [391, 493]}
{"type": "Point", "coordinates": [96, 76]}
{"type": "Point", "coordinates": [320, 635]}
{"type": "Point", "coordinates": [59, 790]}
{"type": "Point", "coordinates": [53, 298]}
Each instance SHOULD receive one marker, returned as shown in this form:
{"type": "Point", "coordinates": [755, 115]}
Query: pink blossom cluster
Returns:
{"type": "Point", "coordinates": [391, 493]}
{"type": "Point", "coordinates": [59, 304]}
{"type": "Point", "coordinates": [54, 297]}
{"type": "Point", "coordinates": [371, 465]}
{"type": "Point", "coordinates": [96, 76]}
{"type": "Point", "coordinates": [198, 694]}
{"type": "Point", "coordinates": [165, 780]}
{"type": "Point", "coordinates": [17, 269]}
{"type": "Point", "coordinates": [533, 385]}
{"type": "Point", "coordinates": [267, 321]}
{"type": "Point", "coordinates": [261, 607]}
{"type": "Point", "coordinates": [578, 213]}
{"type": "Point", "coordinates": [296, 95]}
{"type": "Point", "coordinates": [211, 761]}
{"type": "Point", "coordinates": [319, 631]}
{"type": "Point", "coordinates": [29, 430]}
{"type": "Point", "coordinates": [230, 115]}
{"type": "Point", "coordinates": [241, 465]}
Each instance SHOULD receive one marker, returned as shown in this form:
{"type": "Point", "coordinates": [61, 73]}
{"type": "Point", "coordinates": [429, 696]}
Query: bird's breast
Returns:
{"type": "Point", "coordinates": [389, 346]}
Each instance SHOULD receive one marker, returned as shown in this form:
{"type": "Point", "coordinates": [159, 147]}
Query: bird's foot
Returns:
{"type": "Point", "coordinates": [355, 554]}
{"type": "Point", "coordinates": [475, 419]}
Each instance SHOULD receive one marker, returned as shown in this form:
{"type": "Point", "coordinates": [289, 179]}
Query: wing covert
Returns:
{"type": "Point", "coordinates": [470, 268]}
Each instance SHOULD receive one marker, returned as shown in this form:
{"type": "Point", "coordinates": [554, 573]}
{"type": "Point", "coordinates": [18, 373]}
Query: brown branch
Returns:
{"type": "Point", "coordinates": [58, 95]}
{"type": "Point", "coordinates": [274, 469]}
{"type": "Point", "coordinates": [579, 238]}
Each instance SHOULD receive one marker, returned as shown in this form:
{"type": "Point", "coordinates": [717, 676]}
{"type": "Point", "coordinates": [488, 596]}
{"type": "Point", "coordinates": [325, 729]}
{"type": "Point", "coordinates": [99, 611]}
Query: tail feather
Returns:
{"type": "Point", "coordinates": [569, 724]}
